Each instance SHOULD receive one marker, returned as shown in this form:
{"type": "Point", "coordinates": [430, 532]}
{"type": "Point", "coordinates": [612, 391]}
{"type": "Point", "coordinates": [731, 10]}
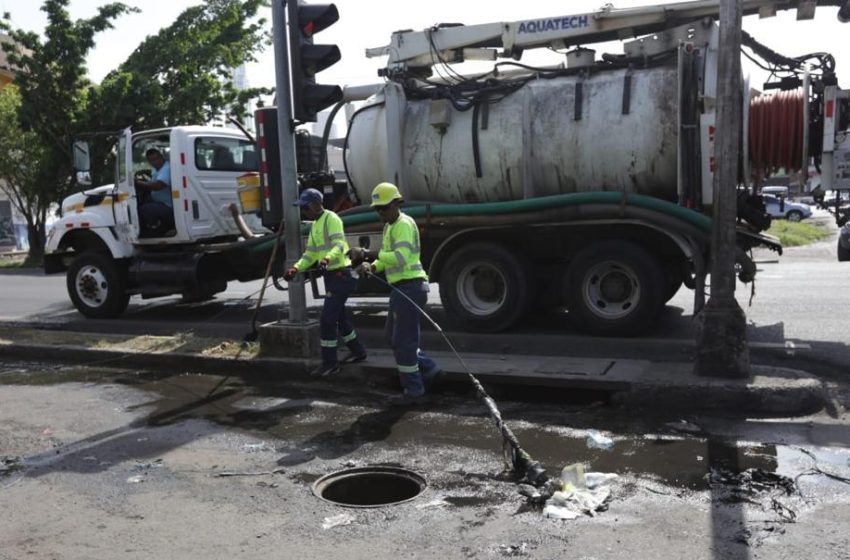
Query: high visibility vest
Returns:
{"type": "Point", "coordinates": [326, 239]}
{"type": "Point", "coordinates": [399, 255]}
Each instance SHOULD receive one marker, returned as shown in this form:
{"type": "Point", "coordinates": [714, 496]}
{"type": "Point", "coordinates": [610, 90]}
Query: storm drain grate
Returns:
{"type": "Point", "coordinates": [369, 486]}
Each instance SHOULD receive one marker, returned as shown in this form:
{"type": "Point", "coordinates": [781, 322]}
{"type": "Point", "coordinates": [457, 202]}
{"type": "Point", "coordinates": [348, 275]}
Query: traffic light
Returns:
{"type": "Point", "coordinates": [307, 59]}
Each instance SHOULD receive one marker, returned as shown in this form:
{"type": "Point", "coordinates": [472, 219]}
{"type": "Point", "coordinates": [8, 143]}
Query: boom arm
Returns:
{"type": "Point", "coordinates": [455, 42]}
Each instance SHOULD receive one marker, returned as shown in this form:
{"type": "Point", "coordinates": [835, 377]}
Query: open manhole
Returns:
{"type": "Point", "coordinates": [369, 486]}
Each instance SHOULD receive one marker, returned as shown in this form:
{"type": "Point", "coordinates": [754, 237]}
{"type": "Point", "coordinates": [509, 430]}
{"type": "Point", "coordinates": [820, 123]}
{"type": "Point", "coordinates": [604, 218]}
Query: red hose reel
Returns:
{"type": "Point", "coordinates": [776, 132]}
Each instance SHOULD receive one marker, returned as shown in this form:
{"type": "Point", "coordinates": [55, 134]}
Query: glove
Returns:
{"type": "Point", "coordinates": [323, 264]}
{"type": "Point", "coordinates": [357, 254]}
{"type": "Point", "coordinates": [290, 274]}
{"type": "Point", "coordinates": [364, 269]}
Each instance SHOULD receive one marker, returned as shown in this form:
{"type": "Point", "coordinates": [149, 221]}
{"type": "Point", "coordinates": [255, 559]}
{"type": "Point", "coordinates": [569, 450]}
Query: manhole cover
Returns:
{"type": "Point", "coordinates": [369, 486]}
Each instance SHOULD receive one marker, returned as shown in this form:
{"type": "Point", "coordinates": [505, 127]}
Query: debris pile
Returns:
{"type": "Point", "coordinates": [574, 494]}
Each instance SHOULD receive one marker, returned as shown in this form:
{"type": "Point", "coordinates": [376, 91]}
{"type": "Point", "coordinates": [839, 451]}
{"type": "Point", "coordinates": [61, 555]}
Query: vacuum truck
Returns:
{"type": "Point", "coordinates": [588, 185]}
{"type": "Point", "coordinates": [585, 186]}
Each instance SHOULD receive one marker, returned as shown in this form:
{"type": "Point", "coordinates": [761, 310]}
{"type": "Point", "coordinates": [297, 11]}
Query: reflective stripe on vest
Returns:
{"type": "Point", "coordinates": [402, 269]}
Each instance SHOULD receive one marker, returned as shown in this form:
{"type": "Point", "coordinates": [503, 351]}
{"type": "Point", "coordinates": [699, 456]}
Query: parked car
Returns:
{"type": "Point", "coordinates": [792, 211]}
{"type": "Point", "coordinates": [844, 243]}
{"type": "Point", "coordinates": [775, 190]}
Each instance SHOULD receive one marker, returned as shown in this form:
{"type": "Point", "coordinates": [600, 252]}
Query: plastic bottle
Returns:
{"type": "Point", "coordinates": [572, 476]}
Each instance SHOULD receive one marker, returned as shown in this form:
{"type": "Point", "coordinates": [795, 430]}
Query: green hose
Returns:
{"type": "Point", "coordinates": [536, 204]}
{"type": "Point", "coordinates": [543, 203]}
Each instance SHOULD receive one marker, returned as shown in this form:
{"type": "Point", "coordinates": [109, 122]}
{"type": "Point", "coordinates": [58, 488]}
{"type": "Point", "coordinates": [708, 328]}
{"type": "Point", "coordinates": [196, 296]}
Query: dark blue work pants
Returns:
{"type": "Point", "coordinates": [403, 335]}
{"type": "Point", "coordinates": [334, 321]}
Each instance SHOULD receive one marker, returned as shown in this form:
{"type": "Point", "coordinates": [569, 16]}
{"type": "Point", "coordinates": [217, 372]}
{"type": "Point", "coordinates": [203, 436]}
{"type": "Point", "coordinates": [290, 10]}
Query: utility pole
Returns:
{"type": "Point", "coordinates": [288, 169]}
{"type": "Point", "coordinates": [722, 349]}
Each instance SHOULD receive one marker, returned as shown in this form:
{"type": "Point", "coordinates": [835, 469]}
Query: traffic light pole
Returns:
{"type": "Point", "coordinates": [288, 169]}
{"type": "Point", "coordinates": [722, 349]}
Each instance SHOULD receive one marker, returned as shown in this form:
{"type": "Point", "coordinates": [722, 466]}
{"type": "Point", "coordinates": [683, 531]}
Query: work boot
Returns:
{"type": "Point", "coordinates": [353, 358]}
{"type": "Point", "coordinates": [325, 370]}
{"type": "Point", "coordinates": [433, 377]}
{"type": "Point", "coordinates": [406, 399]}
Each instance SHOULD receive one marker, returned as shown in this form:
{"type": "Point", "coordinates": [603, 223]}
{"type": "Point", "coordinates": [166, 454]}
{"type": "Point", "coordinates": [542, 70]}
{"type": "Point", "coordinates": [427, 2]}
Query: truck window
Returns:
{"type": "Point", "coordinates": [225, 154]}
{"type": "Point", "coordinates": [142, 145]}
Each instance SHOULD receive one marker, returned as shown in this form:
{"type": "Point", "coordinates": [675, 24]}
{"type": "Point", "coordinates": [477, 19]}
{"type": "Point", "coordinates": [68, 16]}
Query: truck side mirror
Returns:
{"type": "Point", "coordinates": [82, 162]}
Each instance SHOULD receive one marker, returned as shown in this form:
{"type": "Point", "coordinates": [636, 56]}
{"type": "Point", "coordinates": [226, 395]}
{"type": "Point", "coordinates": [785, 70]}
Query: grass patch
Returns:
{"type": "Point", "coordinates": [793, 234]}
{"type": "Point", "coordinates": [183, 343]}
{"type": "Point", "coordinates": [12, 262]}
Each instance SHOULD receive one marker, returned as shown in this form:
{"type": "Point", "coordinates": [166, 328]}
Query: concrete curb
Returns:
{"type": "Point", "coordinates": [634, 383]}
{"type": "Point", "coordinates": [771, 390]}
{"type": "Point", "coordinates": [155, 361]}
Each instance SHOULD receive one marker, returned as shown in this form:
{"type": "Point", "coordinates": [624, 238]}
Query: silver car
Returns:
{"type": "Point", "coordinates": [792, 211]}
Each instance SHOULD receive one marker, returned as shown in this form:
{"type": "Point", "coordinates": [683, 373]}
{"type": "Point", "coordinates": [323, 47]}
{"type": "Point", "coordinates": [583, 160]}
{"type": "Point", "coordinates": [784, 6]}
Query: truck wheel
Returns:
{"type": "Point", "coordinates": [843, 253]}
{"type": "Point", "coordinates": [97, 286]}
{"type": "Point", "coordinates": [615, 287]}
{"type": "Point", "coordinates": [484, 288]}
{"type": "Point", "coordinates": [794, 216]}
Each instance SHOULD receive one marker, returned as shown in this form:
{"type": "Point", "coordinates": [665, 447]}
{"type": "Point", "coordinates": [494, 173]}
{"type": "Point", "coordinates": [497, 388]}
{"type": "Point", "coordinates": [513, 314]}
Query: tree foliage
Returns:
{"type": "Point", "coordinates": [20, 158]}
{"type": "Point", "coordinates": [51, 77]}
{"type": "Point", "coordinates": [181, 75]}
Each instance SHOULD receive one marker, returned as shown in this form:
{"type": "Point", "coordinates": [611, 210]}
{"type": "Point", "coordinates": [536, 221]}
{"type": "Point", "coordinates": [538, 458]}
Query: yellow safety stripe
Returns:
{"type": "Point", "coordinates": [328, 343]}
{"type": "Point", "coordinates": [407, 369]}
{"type": "Point", "coordinates": [349, 337]}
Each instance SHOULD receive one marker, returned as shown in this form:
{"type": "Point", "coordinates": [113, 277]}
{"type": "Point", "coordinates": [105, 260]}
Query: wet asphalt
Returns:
{"type": "Point", "coordinates": [105, 461]}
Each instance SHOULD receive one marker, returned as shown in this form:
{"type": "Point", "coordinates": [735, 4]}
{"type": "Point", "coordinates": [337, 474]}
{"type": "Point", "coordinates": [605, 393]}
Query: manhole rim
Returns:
{"type": "Point", "coordinates": [322, 482]}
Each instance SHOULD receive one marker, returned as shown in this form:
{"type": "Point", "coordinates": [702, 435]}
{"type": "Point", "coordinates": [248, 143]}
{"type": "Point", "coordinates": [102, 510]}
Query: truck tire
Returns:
{"type": "Point", "coordinates": [843, 253]}
{"type": "Point", "coordinates": [484, 287]}
{"type": "Point", "coordinates": [97, 286]}
{"type": "Point", "coordinates": [794, 216]}
{"type": "Point", "coordinates": [615, 288]}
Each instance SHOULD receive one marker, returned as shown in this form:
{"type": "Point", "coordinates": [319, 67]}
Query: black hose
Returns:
{"type": "Point", "coordinates": [326, 134]}
{"type": "Point", "coordinates": [345, 145]}
{"type": "Point", "coordinates": [524, 466]}
{"type": "Point", "coordinates": [476, 153]}
{"type": "Point", "coordinates": [252, 336]}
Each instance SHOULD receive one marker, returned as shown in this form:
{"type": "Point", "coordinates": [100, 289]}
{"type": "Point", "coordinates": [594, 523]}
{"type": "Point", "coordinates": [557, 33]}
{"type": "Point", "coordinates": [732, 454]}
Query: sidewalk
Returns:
{"type": "Point", "coordinates": [640, 383]}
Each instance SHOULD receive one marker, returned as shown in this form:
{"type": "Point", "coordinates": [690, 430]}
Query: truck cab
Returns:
{"type": "Point", "coordinates": [204, 164]}
{"type": "Point", "coordinates": [110, 253]}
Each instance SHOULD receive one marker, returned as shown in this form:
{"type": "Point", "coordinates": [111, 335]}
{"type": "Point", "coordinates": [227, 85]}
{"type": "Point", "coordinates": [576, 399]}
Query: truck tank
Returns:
{"type": "Point", "coordinates": [602, 132]}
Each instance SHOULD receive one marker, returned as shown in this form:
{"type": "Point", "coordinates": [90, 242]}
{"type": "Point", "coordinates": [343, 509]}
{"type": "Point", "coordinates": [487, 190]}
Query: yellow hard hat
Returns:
{"type": "Point", "coordinates": [385, 193]}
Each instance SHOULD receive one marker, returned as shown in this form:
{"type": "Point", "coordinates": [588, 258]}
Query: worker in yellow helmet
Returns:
{"type": "Point", "coordinates": [326, 247]}
{"type": "Point", "coordinates": [399, 260]}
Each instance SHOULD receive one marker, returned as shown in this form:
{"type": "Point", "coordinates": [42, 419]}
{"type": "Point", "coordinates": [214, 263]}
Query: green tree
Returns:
{"type": "Point", "coordinates": [20, 156]}
{"type": "Point", "coordinates": [51, 77]}
{"type": "Point", "coordinates": [180, 75]}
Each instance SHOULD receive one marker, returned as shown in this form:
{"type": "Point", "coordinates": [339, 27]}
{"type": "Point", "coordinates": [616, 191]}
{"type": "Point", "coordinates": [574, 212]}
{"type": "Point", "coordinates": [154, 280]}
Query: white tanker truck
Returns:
{"type": "Point", "coordinates": [589, 185]}
{"type": "Point", "coordinates": [585, 186]}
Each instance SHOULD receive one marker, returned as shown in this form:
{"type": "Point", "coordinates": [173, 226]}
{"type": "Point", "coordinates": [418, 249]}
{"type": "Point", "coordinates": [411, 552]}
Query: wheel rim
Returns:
{"type": "Point", "coordinates": [481, 288]}
{"type": "Point", "coordinates": [794, 217]}
{"type": "Point", "coordinates": [611, 290]}
{"type": "Point", "coordinates": [92, 286]}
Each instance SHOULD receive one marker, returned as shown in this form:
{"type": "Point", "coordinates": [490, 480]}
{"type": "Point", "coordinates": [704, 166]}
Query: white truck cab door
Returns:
{"type": "Point", "coordinates": [126, 207]}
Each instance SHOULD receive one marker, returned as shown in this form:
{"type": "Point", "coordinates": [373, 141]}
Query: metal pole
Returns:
{"type": "Point", "coordinates": [288, 169]}
{"type": "Point", "coordinates": [722, 349]}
